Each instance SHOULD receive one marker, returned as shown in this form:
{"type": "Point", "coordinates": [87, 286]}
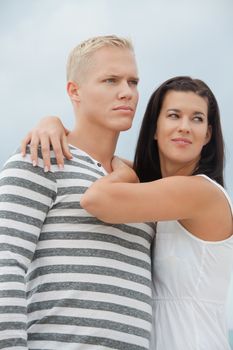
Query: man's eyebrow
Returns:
{"type": "Point", "coordinates": [119, 76]}
{"type": "Point", "coordinates": [135, 78]}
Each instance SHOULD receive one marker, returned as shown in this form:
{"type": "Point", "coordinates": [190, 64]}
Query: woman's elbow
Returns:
{"type": "Point", "coordinates": [94, 203]}
{"type": "Point", "coordinates": [88, 201]}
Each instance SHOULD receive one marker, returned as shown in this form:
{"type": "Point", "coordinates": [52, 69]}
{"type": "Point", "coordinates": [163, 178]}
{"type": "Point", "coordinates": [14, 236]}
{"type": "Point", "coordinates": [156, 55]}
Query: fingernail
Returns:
{"type": "Point", "coordinates": [46, 169]}
{"type": "Point", "coordinates": [23, 155]}
{"type": "Point", "coordinates": [34, 163]}
{"type": "Point", "coordinates": [61, 166]}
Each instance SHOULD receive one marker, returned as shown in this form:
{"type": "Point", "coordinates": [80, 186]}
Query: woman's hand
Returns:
{"type": "Point", "coordinates": [122, 171]}
{"type": "Point", "coordinates": [49, 131]}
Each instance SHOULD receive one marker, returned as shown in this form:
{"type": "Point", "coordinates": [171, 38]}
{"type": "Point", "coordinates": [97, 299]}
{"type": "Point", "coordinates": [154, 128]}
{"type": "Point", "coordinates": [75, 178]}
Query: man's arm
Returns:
{"type": "Point", "coordinates": [26, 194]}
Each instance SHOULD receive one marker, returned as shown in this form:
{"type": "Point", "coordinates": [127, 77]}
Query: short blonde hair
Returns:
{"type": "Point", "coordinates": [80, 56]}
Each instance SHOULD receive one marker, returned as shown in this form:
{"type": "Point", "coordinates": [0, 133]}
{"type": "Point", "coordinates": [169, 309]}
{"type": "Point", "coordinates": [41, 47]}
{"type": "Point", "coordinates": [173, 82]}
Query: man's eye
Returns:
{"type": "Point", "coordinates": [110, 80]}
{"type": "Point", "coordinates": [133, 82]}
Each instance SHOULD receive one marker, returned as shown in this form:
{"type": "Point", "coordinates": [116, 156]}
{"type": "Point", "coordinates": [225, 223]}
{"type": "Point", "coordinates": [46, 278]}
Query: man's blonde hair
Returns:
{"type": "Point", "coordinates": [80, 56]}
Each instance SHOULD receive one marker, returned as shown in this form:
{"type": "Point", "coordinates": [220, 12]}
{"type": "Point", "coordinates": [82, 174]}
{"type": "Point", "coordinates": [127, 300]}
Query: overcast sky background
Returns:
{"type": "Point", "coordinates": [171, 37]}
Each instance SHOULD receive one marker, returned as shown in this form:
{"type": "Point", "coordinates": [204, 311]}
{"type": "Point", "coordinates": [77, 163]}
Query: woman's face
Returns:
{"type": "Point", "coordinates": [182, 131]}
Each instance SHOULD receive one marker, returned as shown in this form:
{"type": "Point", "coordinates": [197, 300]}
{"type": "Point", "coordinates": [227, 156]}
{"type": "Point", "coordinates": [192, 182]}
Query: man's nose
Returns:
{"type": "Point", "coordinates": [125, 91]}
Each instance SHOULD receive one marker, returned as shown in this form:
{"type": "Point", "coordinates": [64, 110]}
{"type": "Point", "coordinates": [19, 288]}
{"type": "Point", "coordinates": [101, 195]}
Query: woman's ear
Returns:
{"type": "Point", "coordinates": [208, 134]}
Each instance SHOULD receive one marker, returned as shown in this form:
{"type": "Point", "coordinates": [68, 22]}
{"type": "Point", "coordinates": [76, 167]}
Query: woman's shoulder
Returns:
{"type": "Point", "coordinates": [219, 187]}
{"type": "Point", "coordinates": [213, 218]}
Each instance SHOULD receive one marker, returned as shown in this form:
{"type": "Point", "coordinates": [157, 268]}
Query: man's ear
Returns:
{"type": "Point", "coordinates": [73, 91]}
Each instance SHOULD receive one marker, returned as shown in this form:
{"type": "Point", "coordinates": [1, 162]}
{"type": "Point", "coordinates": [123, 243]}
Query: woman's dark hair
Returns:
{"type": "Point", "coordinates": [146, 160]}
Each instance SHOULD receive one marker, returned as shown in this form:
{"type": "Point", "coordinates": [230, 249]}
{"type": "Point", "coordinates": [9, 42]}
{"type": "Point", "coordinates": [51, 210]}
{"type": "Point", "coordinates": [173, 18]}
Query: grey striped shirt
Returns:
{"type": "Point", "coordinates": [67, 280]}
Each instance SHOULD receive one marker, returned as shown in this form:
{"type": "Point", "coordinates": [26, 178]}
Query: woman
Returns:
{"type": "Point", "coordinates": [179, 160]}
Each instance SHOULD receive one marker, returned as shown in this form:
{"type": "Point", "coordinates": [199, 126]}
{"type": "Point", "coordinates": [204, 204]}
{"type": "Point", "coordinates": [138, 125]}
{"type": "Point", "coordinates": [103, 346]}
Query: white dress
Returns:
{"type": "Point", "coordinates": [191, 279]}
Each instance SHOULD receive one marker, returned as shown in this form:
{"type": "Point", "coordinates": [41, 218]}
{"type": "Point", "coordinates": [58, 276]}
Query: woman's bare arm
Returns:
{"type": "Point", "coordinates": [183, 198]}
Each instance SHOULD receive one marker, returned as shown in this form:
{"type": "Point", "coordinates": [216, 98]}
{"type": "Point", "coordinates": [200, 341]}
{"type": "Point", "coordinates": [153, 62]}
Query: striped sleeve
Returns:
{"type": "Point", "coordinates": [26, 194]}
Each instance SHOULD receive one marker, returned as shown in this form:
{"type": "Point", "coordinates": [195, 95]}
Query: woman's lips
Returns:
{"type": "Point", "coordinates": [182, 141]}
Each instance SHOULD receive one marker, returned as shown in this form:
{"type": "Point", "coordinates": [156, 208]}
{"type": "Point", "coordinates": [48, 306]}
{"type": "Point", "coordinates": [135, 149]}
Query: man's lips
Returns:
{"type": "Point", "coordinates": [182, 141]}
{"type": "Point", "coordinates": [123, 108]}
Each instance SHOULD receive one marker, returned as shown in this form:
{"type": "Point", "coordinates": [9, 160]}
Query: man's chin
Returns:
{"type": "Point", "coordinates": [125, 125]}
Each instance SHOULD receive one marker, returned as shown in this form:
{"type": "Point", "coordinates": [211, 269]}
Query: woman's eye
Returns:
{"type": "Point", "coordinates": [198, 118]}
{"type": "Point", "coordinates": [173, 116]}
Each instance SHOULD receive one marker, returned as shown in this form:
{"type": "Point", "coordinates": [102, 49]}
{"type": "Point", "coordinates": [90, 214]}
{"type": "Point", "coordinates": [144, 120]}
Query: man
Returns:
{"type": "Point", "coordinates": [68, 280]}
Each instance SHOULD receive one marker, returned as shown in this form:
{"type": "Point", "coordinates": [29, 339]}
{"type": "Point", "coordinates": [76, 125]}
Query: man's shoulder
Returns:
{"type": "Point", "coordinates": [25, 180]}
{"type": "Point", "coordinates": [21, 166]}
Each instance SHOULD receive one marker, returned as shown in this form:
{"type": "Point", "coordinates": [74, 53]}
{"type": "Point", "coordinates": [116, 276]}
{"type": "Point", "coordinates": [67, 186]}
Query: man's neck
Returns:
{"type": "Point", "coordinates": [99, 144]}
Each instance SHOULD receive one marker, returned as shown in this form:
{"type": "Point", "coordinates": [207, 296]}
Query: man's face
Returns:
{"type": "Point", "coordinates": [108, 93]}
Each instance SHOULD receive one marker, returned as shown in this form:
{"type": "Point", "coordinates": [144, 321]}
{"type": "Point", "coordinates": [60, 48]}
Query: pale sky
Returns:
{"type": "Point", "coordinates": [171, 37]}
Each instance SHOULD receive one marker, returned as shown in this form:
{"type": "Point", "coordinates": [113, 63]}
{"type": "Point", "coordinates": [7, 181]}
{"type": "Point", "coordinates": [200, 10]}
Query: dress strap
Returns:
{"type": "Point", "coordinates": [221, 188]}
